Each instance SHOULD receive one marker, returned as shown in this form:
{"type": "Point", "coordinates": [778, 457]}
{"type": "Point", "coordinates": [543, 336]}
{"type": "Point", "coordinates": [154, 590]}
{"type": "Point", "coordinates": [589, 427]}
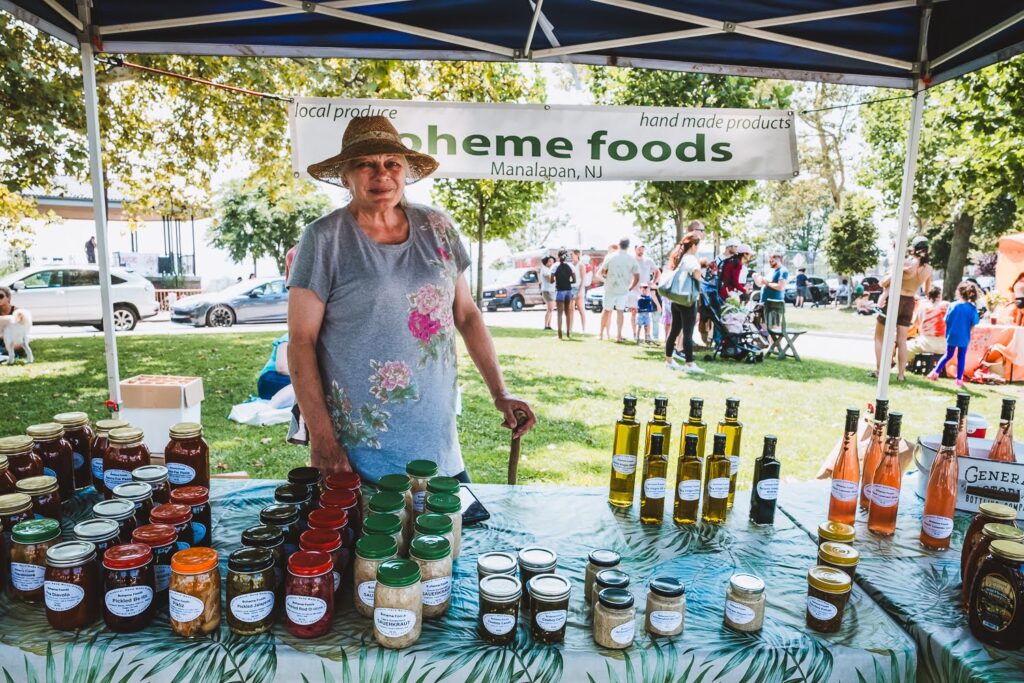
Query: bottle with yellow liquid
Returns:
{"type": "Point", "coordinates": [625, 446]}
{"type": "Point", "coordinates": [695, 425]}
{"type": "Point", "coordinates": [688, 471]}
{"type": "Point", "coordinates": [652, 486]}
{"type": "Point", "coordinates": [716, 483]}
{"type": "Point", "coordinates": [659, 425]}
{"type": "Point", "coordinates": [733, 430]}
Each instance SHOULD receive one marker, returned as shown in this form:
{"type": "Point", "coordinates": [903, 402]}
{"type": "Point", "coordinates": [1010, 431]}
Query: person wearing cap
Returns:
{"type": "Point", "coordinates": [564, 277]}
{"type": "Point", "coordinates": [377, 293]}
{"type": "Point", "coordinates": [744, 252]}
{"type": "Point", "coordinates": [917, 273]}
{"type": "Point", "coordinates": [621, 276]}
{"type": "Point", "coordinates": [773, 289]}
{"type": "Point", "coordinates": [729, 270]}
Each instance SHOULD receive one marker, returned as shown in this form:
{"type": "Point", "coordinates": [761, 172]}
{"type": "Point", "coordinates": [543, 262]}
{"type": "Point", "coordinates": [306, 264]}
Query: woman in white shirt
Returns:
{"type": "Point", "coordinates": [684, 318]}
{"type": "Point", "coordinates": [547, 289]}
{"type": "Point", "coordinates": [580, 289]}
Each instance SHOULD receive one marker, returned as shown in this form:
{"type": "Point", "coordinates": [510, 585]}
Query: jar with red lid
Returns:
{"type": "Point", "coordinates": [327, 541]}
{"type": "Point", "coordinates": [187, 456]}
{"type": "Point", "coordinates": [128, 587]}
{"type": "Point", "coordinates": [197, 498]}
{"type": "Point", "coordinates": [102, 533]}
{"type": "Point", "coordinates": [71, 591]}
{"type": "Point", "coordinates": [140, 495]}
{"type": "Point", "coordinates": [298, 495]}
{"type": "Point", "coordinates": [14, 509]}
{"type": "Point", "coordinates": [309, 594]}
{"type": "Point", "coordinates": [286, 518]}
{"type": "Point", "coordinates": [177, 516]}
{"type": "Point", "coordinates": [332, 518]}
{"type": "Point", "coordinates": [54, 450]}
{"type": "Point", "coordinates": [43, 491]}
{"type": "Point", "coordinates": [310, 477]}
{"type": "Point", "coordinates": [8, 483]}
{"type": "Point", "coordinates": [21, 458]}
{"type": "Point", "coordinates": [100, 441]}
{"type": "Point", "coordinates": [125, 451]}
{"type": "Point", "coordinates": [156, 477]}
{"type": "Point", "coordinates": [78, 433]}
{"type": "Point", "coordinates": [348, 501]}
{"type": "Point", "coordinates": [162, 540]}
{"type": "Point", "coordinates": [120, 511]}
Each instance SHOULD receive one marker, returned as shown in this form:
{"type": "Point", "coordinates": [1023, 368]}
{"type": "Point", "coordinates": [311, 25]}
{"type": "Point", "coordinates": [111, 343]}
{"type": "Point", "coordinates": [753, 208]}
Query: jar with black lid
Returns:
{"type": "Point", "coordinates": [271, 538]}
{"type": "Point", "coordinates": [162, 540]}
{"type": "Point", "coordinates": [125, 451]}
{"type": "Point", "coordinates": [298, 495]}
{"type": "Point", "coordinates": [534, 561]}
{"type": "Point", "coordinates": [140, 495]}
{"type": "Point", "coordinates": [72, 588]}
{"type": "Point", "coordinates": [608, 578]}
{"type": "Point", "coordinates": [128, 587]}
{"type": "Point", "coordinates": [22, 461]}
{"type": "Point", "coordinates": [310, 477]}
{"type": "Point", "coordinates": [100, 441]}
{"type": "Point", "coordinates": [31, 540]}
{"type": "Point", "coordinates": [549, 607]}
{"type": "Point", "coordinates": [614, 619]}
{"type": "Point", "coordinates": [286, 518]}
{"type": "Point", "coordinates": [598, 560]}
{"type": "Point", "coordinates": [828, 590]}
{"type": "Point", "coordinates": [55, 451]}
{"type": "Point", "coordinates": [43, 491]}
{"type": "Point", "coordinates": [997, 595]}
{"type": "Point", "coordinates": [156, 477]}
{"type": "Point", "coordinates": [499, 608]}
{"type": "Point", "coordinates": [177, 516]}
{"type": "Point", "coordinates": [102, 533]}
{"type": "Point", "coordinates": [8, 482]}
{"type": "Point", "coordinates": [666, 606]}
{"type": "Point", "coordinates": [197, 498]}
{"type": "Point", "coordinates": [122, 512]}
{"type": "Point", "coordinates": [78, 433]}
{"type": "Point", "coordinates": [250, 591]}
{"type": "Point", "coordinates": [187, 456]}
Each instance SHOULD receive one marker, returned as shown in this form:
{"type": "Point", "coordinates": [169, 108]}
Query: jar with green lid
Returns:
{"type": "Point", "coordinates": [549, 607]}
{"type": "Point", "coordinates": [30, 541]}
{"type": "Point", "coordinates": [366, 492]}
{"type": "Point", "coordinates": [402, 485]}
{"type": "Point", "coordinates": [997, 595]}
{"type": "Point", "coordinates": [666, 606]}
{"type": "Point", "coordinates": [397, 604]}
{"type": "Point", "coordinates": [839, 556]}
{"type": "Point", "coordinates": [534, 561]}
{"type": "Point", "coordinates": [433, 524]}
{"type": "Point", "coordinates": [250, 591]}
{"type": "Point", "coordinates": [55, 451]}
{"type": "Point", "coordinates": [447, 504]}
{"type": "Point", "coordinates": [598, 560]}
{"type": "Point", "coordinates": [434, 556]}
{"type": "Point", "coordinates": [744, 603]}
{"type": "Point", "coordinates": [499, 608]}
{"type": "Point", "coordinates": [990, 533]}
{"type": "Point", "coordinates": [836, 531]}
{"type": "Point", "coordinates": [988, 513]}
{"type": "Point", "coordinates": [46, 500]}
{"type": "Point", "coordinates": [448, 485]}
{"type": "Point", "coordinates": [100, 441]}
{"type": "Point", "coordinates": [614, 619]}
{"type": "Point", "coordinates": [608, 578]}
{"type": "Point", "coordinates": [271, 538]}
{"type": "Point", "coordinates": [420, 472]}
{"type": "Point", "coordinates": [371, 552]}
{"type": "Point", "coordinates": [392, 503]}
{"type": "Point", "coordinates": [493, 564]}
{"type": "Point", "coordinates": [78, 433]}
{"type": "Point", "coordinates": [378, 524]}
{"type": "Point", "coordinates": [828, 589]}
{"type": "Point", "coordinates": [21, 459]}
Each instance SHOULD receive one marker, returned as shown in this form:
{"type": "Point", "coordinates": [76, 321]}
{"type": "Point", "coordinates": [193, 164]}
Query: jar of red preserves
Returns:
{"type": "Point", "coordinates": [128, 587]}
{"type": "Point", "coordinates": [14, 509]}
{"type": "Point", "coordinates": [102, 533]}
{"type": "Point", "coordinates": [345, 500]}
{"type": "Point", "coordinates": [21, 459]}
{"type": "Point", "coordinates": [100, 441]}
{"type": "Point", "coordinates": [197, 498]}
{"type": "Point", "coordinates": [44, 494]}
{"type": "Point", "coordinates": [162, 540]}
{"type": "Point", "coordinates": [310, 477]}
{"type": "Point", "coordinates": [348, 481]}
{"type": "Point", "coordinates": [326, 541]}
{"type": "Point", "coordinates": [71, 589]}
{"type": "Point", "coordinates": [187, 456]}
{"type": "Point", "coordinates": [286, 518]}
{"type": "Point", "coordinates": [7, 480]}
{"type": "Point", "coordinates": [120, 511]}
{"type": "Point", "coordinates": [78, 433]}
{"type": "Point", "coordinates": [140, 494]}
{"type": "Point", "coordinates": [156, 477]}
{"type": "Point", "coordinates": [30, 542]}
{"type": "Point", "coordinates": [309, 594]}
{"type": "Point", "coordinates": [125, 451]}
{"type": "Point", "coordinates": [177, 516]}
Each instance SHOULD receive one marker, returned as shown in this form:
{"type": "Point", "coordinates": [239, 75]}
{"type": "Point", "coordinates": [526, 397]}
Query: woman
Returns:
{"type": "Point", "coordinates": [684, 257]}
{"type": "Point", "coordinates": [917, 272]}
{"type": "Point", "coordinates": [930, 319]}
{"type": "Point", "coordinates": [377, 292]}
{"type": "Point", "coordinates": [1017, 292]}
{"type": "Point", "coordinates": [547, 288]}
{"type": "Point", "coordinates": [7, 307]}
{"type": "Point", "coordinates": [580, 288]}
{"type": "Point", "coordinates": [565, 277]}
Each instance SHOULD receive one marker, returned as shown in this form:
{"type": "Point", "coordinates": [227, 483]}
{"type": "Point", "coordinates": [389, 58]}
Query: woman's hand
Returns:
{"type": "Point", "coordinates": [519, 416]}
{"type": "Point", "coordinates": [327, 455]}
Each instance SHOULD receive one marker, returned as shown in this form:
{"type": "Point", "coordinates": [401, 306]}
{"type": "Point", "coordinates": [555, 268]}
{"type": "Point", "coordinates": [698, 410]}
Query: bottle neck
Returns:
{"type": "Point", "coordinates": [628, 419]}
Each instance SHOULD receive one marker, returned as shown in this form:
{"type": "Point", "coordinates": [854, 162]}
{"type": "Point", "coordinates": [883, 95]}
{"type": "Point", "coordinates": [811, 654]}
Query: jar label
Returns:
{"type": "Point", "coordinates": [184, 607]}
{"type": "Point", "coordinates": [77, 460]}
{"type": "Point", "coordinates": [768, 489]}
{"type": "Point", "coordinates": [365, 591]}
{"type": "Point", "coordinates": [664, 620]}
{"type": "Point", "coordinates": [937, 526]}
{"type": "Point", "coordinates": [734, 465]}
{"type": "Point", "coordinates": [60, 596]}
{"type": "Point", "coordinates": [419, 501]}
{"type": "Point", "coordinates": [179, 474]}
{"type": "Point", "coordinates": [655, 487]}
{"type": "Point", "coordinates": [499, 624]}
{"type": "Point", "coordinates": [822, 610]}
{"type": "Point", "coordinates": [552, 620]}
{"type": "Point", "coordinates": [437, 591]}
{"type": "Point", "coordinates": [624, 464]}
{"type": "Point", "coordinates": [112, 478]}
{"type": "Point", "coordinates": [996, 602]}
{"type": "Point", "coordinates": [27, 577]}
{"type": "Point", "coordinates": [304, 610]}
{"type": "Point", "coordinates": [252, 607]}
{"type": "Point", "coordinates": [689, 489]}
{"type": "Point", "coordinates": [198, 532]}
{"type": "Point", "coordinates": [844, 490]}
{"type": "Point", "coordinates": [163, 576]}
{"type": "Point", "coordinates": [128, 602]}
{"type": "Point", "coordinates": [392, 622]}
{"type": "Point", "coordinates": [49, 472]}
{"type": "Point", "coordinates": [97, 469]}
{"type": "Point", "coordinates": [719, 487]}
{"type": "Point", "coordinates": [738, 613]}
{"type": "Point", "coordinates": [884, 496]}
{"type": "Point", "coordinates": [623, 633]}
{"type": "Point", "coordinates": [337, 580]}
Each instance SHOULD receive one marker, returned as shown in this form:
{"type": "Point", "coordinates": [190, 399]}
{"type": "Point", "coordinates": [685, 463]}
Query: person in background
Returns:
{"type": "Point", "coordinates": [773, 288]}
{"type": "Point", "coordinates": [684, 318]}
{"type": "Point", "coordinates": [579, 290]}
{"type": "Point", "coordinates": [564, 277]}
{"type": "Point", "coordinates": [697, 227]}
{"type": "Point", "coordinates": [930, 319]}
{"type": "Point", "coordinates": [803, 293]}
{"type": "Point", "coordinates": [862, 300]}
{"type": "Point", "coordinates": [842, 293]}
{"type": "Point", "coordinates": [666, 316]}
{"type": "Point", "coordinates": [605, 331]}
{"type": "Point", "coordinates": [1017, 292]}
{"type": "Point", "coordinates": [621, 276]}
{"type": "Point", "coordinates": [90, 250]}
{"type": "Point", "coordinates": [274, 376]}
{"type": "Point", "coordinates": [547, 289]}
{"type": "Point", "coordinates": [729, 270]}
{"type": "Point", "coordinates": [961, 318]}
{"type": "Point", "coordinates": [648, 271]}
{"type": "Point", "coordinates": [917, 272]}
{"type": "Point", "coordinates": [7, 307]}
{"type": "Point", "coordinates": [645, 307]}
{"type": "Point", "coordinates": [744, 252]}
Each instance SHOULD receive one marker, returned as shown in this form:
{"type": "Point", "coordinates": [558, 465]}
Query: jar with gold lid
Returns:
{"type": "Point", "coordinates": [78, 433]}
{"type": "Point", "coordinates": [997, 593]}
{"type": "Point", "coordinates": [8, 482]}
{"type": "Point", "coordinates": [187, 456]}
{"type": "Point", "coordinates": [836, 531]}
{"type": "Point", "coordinates": [21, 459]}
{"type": "Point", "coordinates": [990, 533]}
{"type": "Point", "coordinates": [45, 497]}
{"type": "Point", "coordinates": [828, 589]}
{"type": "Point", "coordinates": [839, 556]}
{"type": "Point", "coordinates": [100, 441]}
{"type": "Point", "coordinates": [125, 451]}
{"type": "Point", "coordinates": [988, 513]}
{"type": "Point", "coordinates": [54, 450]}
{"type": "Point", "coordinates": [14, 509]}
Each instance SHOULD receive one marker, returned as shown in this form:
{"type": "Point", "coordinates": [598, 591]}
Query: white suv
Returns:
{"type": "Point", "coordinates": [70, 295]}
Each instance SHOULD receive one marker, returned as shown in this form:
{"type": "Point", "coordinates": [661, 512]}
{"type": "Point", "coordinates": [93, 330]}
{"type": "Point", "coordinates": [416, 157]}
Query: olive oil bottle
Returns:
{"type": "Point", "coordinates": [765, 491]}
{"type": "Point", "coordinates": [624, 450]}
{"type": "Point", "coordinates": [716, 486]}
{"type": "Point", "coordinates": [695, 425]}
{"type": "Point", "coordinates": [733, 430]}
{"type": "Point", "coordinates": [659, 425]}
{"type": "Point", "coordinates": [652, 487]}
{"type": "Point", "coordinates": [688, 481]}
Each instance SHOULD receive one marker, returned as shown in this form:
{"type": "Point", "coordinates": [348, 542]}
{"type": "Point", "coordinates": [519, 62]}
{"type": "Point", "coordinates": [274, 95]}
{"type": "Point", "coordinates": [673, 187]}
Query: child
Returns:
{"type": "Point", "coordinates": [960, 319]}
{"type": "Point", "coordinates": [645, 305]}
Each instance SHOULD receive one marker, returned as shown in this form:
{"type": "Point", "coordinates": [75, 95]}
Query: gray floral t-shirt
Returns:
{"type": "Point", "coordinates": [386, 350]}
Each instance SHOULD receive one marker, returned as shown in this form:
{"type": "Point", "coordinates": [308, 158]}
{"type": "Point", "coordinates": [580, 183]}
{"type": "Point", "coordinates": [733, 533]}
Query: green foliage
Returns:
{"type": "Point", "coordinates": [800, 210]}
{"type": "Point", "coordinates": [851, 243]}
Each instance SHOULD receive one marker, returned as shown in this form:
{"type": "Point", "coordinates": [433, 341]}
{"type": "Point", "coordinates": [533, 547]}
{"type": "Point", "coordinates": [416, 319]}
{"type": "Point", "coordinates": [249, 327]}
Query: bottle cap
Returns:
{"type": "Point", "coordinates": [746, 584]}
{"type": "Point", "coordinates": [495, 563]}
{"type": "Point", "coordinates": [107, 426]}
{"type": "Point", "coordinates": [852, 417]}
{"type": "Point", "coordinates": [667, 587]}
{"type": "Point", "coordinates": [444, 503]}
{"type": "Point", "coordinates": [963, 401]}
{"type": "Point", "coordinates": [324, 540]}
{"type": "Point", "coordinates": [125, 435]}
{"type": "Point", "coordinates": [374, 547]}
{"type": "Point", "coordinates": [629, 405]}
{"type": "Point", "coordinates": [155, 535]}
{"type": "Point", "coordinates": [770, 441]}
{"type": "Point", "coordinates": [398, 573]}
{"type": "Point", "coordinates": [327, 518]}
{"type": "Point", "coordinates": [380, 523]}
{"type": "Point", "coordinates": [279, 514]}
{"type": "Point", "coordinates": [719, 444]}
{"type": "Point", "coordinates": [660, 405]}
{"type": "Point", "coordinates": [549, 587]}
{"type": "Point", "coordinates": [949, 430]}
{"type": "Point", "coordinates": [309, 563]}
{"type": "Point", "coordinates": [612, 578]}
{"type": "Point", "coordinates": [952, 415]}
{"type": "Point", "coordinates": [615, 598]}
{"type": "Point", "coordinates": [36, 530]}
{"type": "Point", "coordinates": [194, 560]}
{"type": "Point", "coordinates": [536, 558]}
{"type": "Point", "coordinates": [881, 409]}
{"type": "Point", "coordinates": [837, 531]}
{"type": "Point", "coordinates": [1009, 550]}
{"type": "Point", "coordinates": [250, 560]}
{"type": "Point", "coordinates": [262, 536]}
{"type": "Point", "coordinates": [690, 442]}
{"type": "Point", "coordinates": [133, 491]}
{"type": "Point", "coordinates": [449, 485]}
{"type": "Point", "coordinates": [119, 509]}
{"type": "Point", "coordinates": [430, 548]}
{"type": "Point", "coordinates": [151, 474]}
{"type": "Point", "coordinates": [293, 494]}
{"type": "Point", "coordinates": [657, 444]}
{"type": "Point", "coordinates": [310, 476]}
{"type": "Point", "coordinates": [732, 407]}
{"type": "Point", "coordinates": [342, 481]}
{"type": "Point", "coordinates": [36, 486]}
{"type": "Point", "coordinates": [1008, 406]}
{"type": "Point", "coordinates": [421, 468]}
{"type": "Point", "coordinates": [1002, 532]}
{"type": "Point", "coordinates": [11, 503]}
{"type": "Point", "coordinates": [96, 530]}
{"type": "Point", "coordinates": [895, 422]}
{"type": "Point", "coordinates": [127, 556]}
{"type": "Point", "coordinates": [387, 502]}
{"type": "Point", "coordinates": [14, 445]}
{"type": "Point", "coordinates": [70, 554]}
{"type": "Point", "coordinates": [696, 408]}
{"type": "Point", "coordinates": [829, 579]}
{"type": "Point", "coordinates": [399, 483]}
{"type": "Point", "coordinates": [343, 499]}
{"type": "Point", "coordinates": [431, 523]}
{"type": "Point", "coordinates": [500, 588]}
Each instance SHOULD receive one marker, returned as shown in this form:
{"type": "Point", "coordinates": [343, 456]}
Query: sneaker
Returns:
{"type": "Point", "coordinates": [959, 383]}
{"type": "Point", "coordinates": [933, 376]}
{"type": "Point", "coordinates": [673, 366]}
{"type": "Point", "coordinates": [693, 369]}
{"type": "Point", "coordinates": [679, 356]}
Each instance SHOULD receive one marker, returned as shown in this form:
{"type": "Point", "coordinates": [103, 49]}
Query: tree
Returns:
{"type": "Point", "coordinates": [826, 108]}
{"type": "Point", "coordinates": [538, 231]}
{"type": "Point", "coordinates": [852, 240]}
{"type": "Point", "coordinates": [800, 211]}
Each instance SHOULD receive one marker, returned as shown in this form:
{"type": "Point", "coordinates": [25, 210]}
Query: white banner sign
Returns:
{"type": "Point", "coordinates": [571, 142]}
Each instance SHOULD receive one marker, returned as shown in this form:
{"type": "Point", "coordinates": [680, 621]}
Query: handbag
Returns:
{"type": "Point", "coordinates": [678, 287]}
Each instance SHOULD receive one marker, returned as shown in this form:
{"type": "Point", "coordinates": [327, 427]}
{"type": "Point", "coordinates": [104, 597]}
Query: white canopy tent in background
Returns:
{"type": "Point", "coordinates": [841, 41]}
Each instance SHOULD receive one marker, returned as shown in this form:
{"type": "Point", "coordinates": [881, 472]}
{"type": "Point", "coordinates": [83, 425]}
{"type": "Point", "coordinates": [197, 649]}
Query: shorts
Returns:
{"type": "Point", "coordinates": [617, 303]}
{"type": "Point", "coordinates": [549, 297]}
{"type": "Point", "coordinates": [564, 295]}
{"type": "Point", "coordinates": [632, 298]}
{"type": "Point", "coordinates": [643, 318]}
{"type": "Point", "coordinates": [805, 292]}
{"type": "Point", "coordinates": [575, 292]}
{"type": "Point", "coordinates": [904, 314]}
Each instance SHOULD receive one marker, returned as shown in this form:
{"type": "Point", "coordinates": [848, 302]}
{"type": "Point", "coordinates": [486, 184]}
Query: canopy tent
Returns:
{"type": "Point", "coordinates": [900, 43]}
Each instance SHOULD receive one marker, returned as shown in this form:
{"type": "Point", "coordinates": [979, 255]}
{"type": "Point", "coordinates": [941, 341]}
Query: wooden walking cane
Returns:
{"type": "Point", "coordinates": [513, 454]}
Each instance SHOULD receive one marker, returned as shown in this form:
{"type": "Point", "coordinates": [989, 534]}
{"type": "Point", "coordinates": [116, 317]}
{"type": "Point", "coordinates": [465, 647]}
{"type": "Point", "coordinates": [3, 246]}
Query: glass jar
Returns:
{"type": "Point", "coordinates": [533, 561]}
{"type": "Point", "coordinates": [14, 509]}
{"type": "Point", "coordinates": [549, 607]}
{"type": "Point", "coordinates": [598, 560]}
{"type": "Point", "coordinates": [334, 519]}
{"type": "Point", "coordinates": [128, 587]}
{"type": "Point", "coordinates": [271, 538]}
{"type": "Point", "coordinates": [434, 556]}
{"type": "Point", "coordinates": [371, 551]}
{"type": "Point", "coordinates": [43, 491]}
{"type": "Point", "coordinates": [100, 441]}
{"type": "Point", "coordinates": [445, 504]}
{"type": "Point", "coordinates": [402, 485]}
{"type": "Point", "coordinates": [608, 578]}
{"type": "Point", "coordinates": [433, 524]}
{"type": "Point", "coordinates": [366, 492]}
{"type": "Point", "coordinates": [419, 473]}
{"type": "Point", "coordinates": [494, 564]}
{"type": "Point", "coordinates": [72, 587]}
{"type": "Point", "coordinates": [177, 516]}
{"type": "Point", "coordinates": [286, 518]}
{"type": "Point", "coordinates": [326, 541]}
{"type": "Point", "coordinates": [828, 589]}
{"type": "Point", "coordinates": [54, 450]}
{"type": "Point", "coordinates": [102, 533]}
{"type": "Point", "coordinates": [397, 604]}
{"type": "Point", "coordinates": [666, 606]}
{"type": "Point", "coordinates": [30, 542]}
{"type": "Point", "coordinates": [187, 457]}
{"type": "Point", "coordinates": [194, 592]}
{"type": "Point", "coordinates": [393, 503]}
{"type": "Point", "coordinates": [125, 451]}
{"type": "Point", "coordinates": [78, 433]}
{"type": "Point", "coordinates": [839, 556]}
{"type": "Point", "coordinates": [309, 594]}
{"type": "Point", "coordinates": [996, 616]}
{"type": "Point", "coordinates": [120, 511]}
{"type": "Point", "coordinates": [251, 586]}
{"type": "Point", "coordinates": [499, 608]}
{"type": "Point", "coordinates": [156, 477]}
{"type": "Point", "coordinates": [836, 531]}
{"type": "Point", "coordinates": [980, 550]}
{"type": "Point", "coordinates": [310, 477]}
{"type": "Point", "coordinates": [298, 495]}
{"type": "Point", "coordinates": [8, 483]}
{"type": "Point", "coordinates": [21, 459]}
{"type": "Point", "coordinates": [988, 513]}
{"type": "Point", "coordinates": [162, 540]}
{"type": "Point", "coordinates": [138, 494]}
{"type": "Point", "coordinates": [197, 499]}
{"type": "Point", "coordinates": [349, 481]}
{"type": "Point", "coordinates": [614, 619]}
{"type": "Point", "coordinates": [347, 501]}
{"type": "Point", "coordinates": [447, 485]}
{"type": "Point", "coordinates": [378, 524]}
{"type": "Point", "coordinates": [744, 603]}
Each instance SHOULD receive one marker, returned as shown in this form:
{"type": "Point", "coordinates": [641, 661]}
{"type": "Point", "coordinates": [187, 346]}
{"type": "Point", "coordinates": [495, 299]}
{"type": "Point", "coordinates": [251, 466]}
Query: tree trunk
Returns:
{"type": "Point", "coordinates": [480, 254]}
{"type": "Point", "coordinates": [678, 217]}
{"type": "Point", "coordinates": [254, 264]}
{"type": "Point", "coordinates": [963, 227]}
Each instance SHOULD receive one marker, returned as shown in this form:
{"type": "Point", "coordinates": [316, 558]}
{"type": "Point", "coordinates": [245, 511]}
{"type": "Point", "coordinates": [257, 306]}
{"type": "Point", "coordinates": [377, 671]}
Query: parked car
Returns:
{"type": "Point", "coordinates": [594, 299]}
{"type": "Point", "coordinates": [514, 289]}
{"type": "Point", "coordinates": [872, 285]}
{"type": "Point", "coordinates": [70, 295]}
{"type": "Point", "coordinates": [263, 300]}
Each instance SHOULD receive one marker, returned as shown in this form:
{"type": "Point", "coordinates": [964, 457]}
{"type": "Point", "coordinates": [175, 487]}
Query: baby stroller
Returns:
{"type": "Point", "coordinates": [736, 337]}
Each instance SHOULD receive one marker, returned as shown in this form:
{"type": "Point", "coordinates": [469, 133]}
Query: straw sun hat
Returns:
{"type": "Point", "coordinates": [367, 136]}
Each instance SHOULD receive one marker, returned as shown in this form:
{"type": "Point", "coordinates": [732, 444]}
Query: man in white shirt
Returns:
{"type": "Point", "coordinates": [648, 271]}
{"type": "Point", "coordinates": [621, 276]}
{"type": "Point", "coordinates": [547, 289]}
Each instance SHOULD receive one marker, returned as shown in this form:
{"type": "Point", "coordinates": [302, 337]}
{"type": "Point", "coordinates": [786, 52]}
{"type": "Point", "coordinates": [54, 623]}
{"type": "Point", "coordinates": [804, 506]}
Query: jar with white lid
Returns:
{"type": "Point", "coordinates": [744, 603]}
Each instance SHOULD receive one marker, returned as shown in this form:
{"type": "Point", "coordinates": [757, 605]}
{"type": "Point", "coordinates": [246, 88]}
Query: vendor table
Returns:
{"type": "Point", "coordinates": [920, 588]}
{"type": "Point", "coordinates": [870, 646]}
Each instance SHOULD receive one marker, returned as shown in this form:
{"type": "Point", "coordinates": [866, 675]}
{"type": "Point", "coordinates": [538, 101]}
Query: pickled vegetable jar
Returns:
{"type": "Point", "coordinates": [371, 552]}
{"type": "Point", "coordinates": [271, 538]}
{"type": "Point", "coordinates": [310, 477]}
{"type": "Point", "coordinates": [450, 505]}
{"type": "Point", "coordinates": [177, 516]}
{"type": "Point", "coordinates": [434, 556]}
{"type": "Point", "coordinates": [197, 499]}
{"type": "Point", "coordinates": [549, 607]}
{"type": "Point", "coordinates": [309, 594]}
{"type": "Point", "coordinates": [194, 592]}
{"type": "Point", "coordinates": [286, 518]}
{"type": "Point", "coordinates": [162, 540]}
{"type": "Point", "coordinates": [102, 533]}
{"type": "Point", "coordinates": [128, 587]}
{"type": "Point", "coordinates": [31, 541]}
{"type": "Point", "coordinates": [397, 604]}
{"type": "Point", "coordinates": [326, 541]}
{"type": "Point", "coordinates": [251, 596]}
{"type": "Point", "coordinates": [499, 608]}
{"type": "Point", "coordinates": [420, 472]}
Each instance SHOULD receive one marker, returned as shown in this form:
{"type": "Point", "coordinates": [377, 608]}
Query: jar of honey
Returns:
{"type": "Point", "coordinates": [187, 456]}
{"type": "Point", "coordinates": [125, 452]}
{"type": "Point", "coordinates": [54, 450]}
{"type": "Point", "coordinates": [78, 433]}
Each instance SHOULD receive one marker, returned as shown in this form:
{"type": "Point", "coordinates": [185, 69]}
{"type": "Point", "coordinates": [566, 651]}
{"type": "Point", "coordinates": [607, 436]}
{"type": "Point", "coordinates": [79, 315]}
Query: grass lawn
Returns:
{"type": "Point", "coordinates": [828, 319]}
{"type": "Point", "coordinates": [576, 388]}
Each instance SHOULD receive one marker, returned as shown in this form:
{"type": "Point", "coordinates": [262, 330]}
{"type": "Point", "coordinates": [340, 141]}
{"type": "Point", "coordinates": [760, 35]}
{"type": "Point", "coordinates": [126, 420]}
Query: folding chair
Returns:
{"type": "Point", "coordinates": [783, 338]}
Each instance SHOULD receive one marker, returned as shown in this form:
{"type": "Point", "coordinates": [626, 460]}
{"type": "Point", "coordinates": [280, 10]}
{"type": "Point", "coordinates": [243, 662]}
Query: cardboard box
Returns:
{"type": "Point", "coordinates": [154, 403]}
